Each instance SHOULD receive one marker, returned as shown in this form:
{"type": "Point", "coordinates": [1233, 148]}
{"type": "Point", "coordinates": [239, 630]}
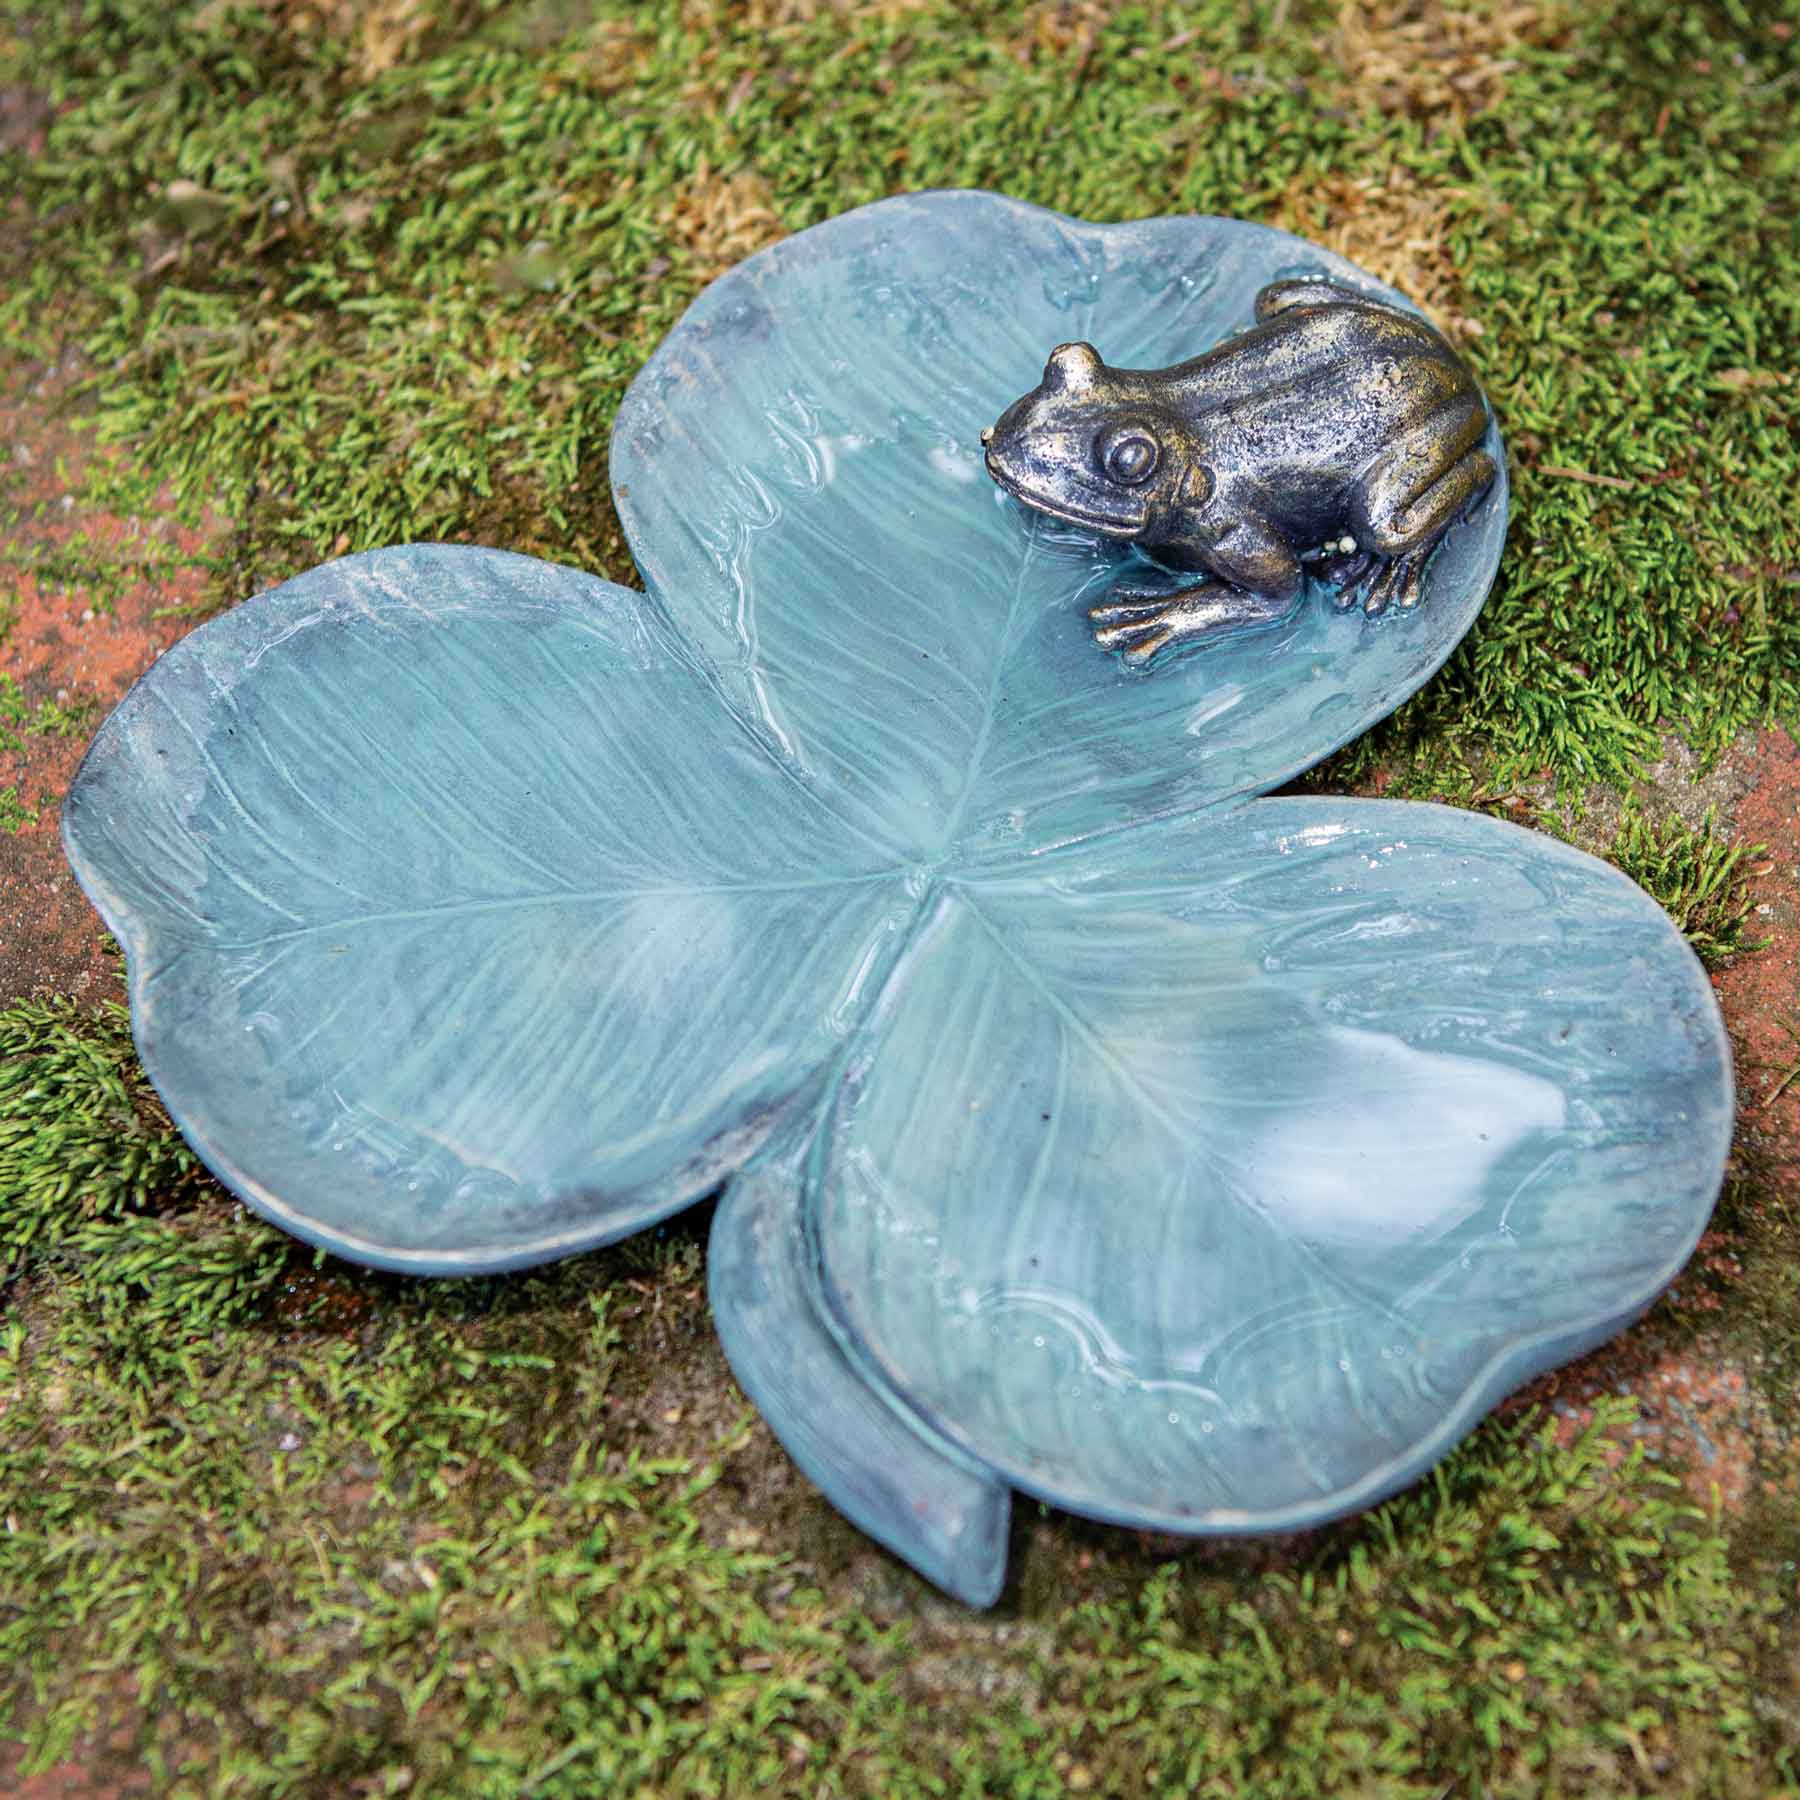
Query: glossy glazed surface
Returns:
{"type": "Point", "coordinates": [466, 927]}
{"type": "Point", "coordinates": [800, 473]}
{"type": "Point", "coordinates": [1192, 1160]}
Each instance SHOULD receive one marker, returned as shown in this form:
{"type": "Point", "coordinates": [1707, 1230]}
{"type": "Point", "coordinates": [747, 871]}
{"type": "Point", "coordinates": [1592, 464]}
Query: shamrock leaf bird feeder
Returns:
{"type": "Point", "coordinates": [1086, 1123]}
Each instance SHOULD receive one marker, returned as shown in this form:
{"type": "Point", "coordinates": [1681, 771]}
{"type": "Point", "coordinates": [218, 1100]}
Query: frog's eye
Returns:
{"type": "Point", "coordinates": [1129, 457]}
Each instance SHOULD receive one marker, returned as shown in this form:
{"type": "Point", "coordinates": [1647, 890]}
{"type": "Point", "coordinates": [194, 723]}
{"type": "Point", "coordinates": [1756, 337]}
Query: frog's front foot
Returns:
{"type": "Point", "coordinates": [1139, 623]}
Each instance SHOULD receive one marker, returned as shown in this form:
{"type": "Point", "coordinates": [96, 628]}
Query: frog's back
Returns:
{"type": "Point", "coordinates": [1310, 336]}
{"type": "Point", "coordinates": [1307, 395]}
{"type": "Point", "coordinates": [1352, 373]}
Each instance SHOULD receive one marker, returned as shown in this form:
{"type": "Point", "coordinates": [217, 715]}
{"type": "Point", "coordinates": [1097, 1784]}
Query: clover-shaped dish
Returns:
{"type": "Point", "coordinates": [1087, 1124]}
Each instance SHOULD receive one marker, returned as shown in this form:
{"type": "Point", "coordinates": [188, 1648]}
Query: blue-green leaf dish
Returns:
{"type": "Point", "coordinates": [1087, 1125]}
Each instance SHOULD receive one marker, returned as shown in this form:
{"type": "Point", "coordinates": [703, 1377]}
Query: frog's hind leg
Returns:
{"type": "Point", "coordinates": [1305, 290]}
{"type": "Point", "coordinates": [1429, 518]}
{"type": "Point", "coordinates": [1412, 494]}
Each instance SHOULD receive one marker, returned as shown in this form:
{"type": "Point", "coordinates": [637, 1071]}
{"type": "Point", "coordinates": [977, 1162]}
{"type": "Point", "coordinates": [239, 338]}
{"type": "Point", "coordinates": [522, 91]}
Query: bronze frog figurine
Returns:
{"type": "Point", "coordinates": [1338, 432]}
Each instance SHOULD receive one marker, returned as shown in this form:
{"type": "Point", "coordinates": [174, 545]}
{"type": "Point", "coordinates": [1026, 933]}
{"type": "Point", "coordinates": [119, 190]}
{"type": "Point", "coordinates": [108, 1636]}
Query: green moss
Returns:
{"type": "Point", "coordinates": [84, 1142]}
{"type": "Point", "coordinates": [1460, 1637]}
{"type": "Point", "coordinates": [1696, 874]}
{"type": "Point", "coordinates": [1631, 238]}
{"type": "Point", "coordinates": [332, 1528]}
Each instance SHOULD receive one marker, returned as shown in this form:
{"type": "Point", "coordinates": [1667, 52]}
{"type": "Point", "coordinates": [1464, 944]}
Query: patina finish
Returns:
{"type": "Point", "coordinates": [1338, 435]}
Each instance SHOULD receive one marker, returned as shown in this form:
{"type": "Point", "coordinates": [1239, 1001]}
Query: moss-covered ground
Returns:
{"type": "Point", "coordinates": [320, 274]}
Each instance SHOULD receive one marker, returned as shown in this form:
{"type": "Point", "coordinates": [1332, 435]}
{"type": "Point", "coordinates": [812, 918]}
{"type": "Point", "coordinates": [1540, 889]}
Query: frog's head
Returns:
{"type": "Point", "coordinates": [1088, 445]}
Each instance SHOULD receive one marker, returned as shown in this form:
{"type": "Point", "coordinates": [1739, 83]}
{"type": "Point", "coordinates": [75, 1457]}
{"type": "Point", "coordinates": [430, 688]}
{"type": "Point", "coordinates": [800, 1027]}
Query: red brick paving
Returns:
{"type": "Point", "coordinates": [70, 645]}
{"type": "Point", "coordinates": [1761, 993]}
{"type": "Point", "coordinates": [1697, 1411]}
{"type": "Point", "coordinates": [106, 1764]}
{"type": "Point", "coordinates": [70, 1780]}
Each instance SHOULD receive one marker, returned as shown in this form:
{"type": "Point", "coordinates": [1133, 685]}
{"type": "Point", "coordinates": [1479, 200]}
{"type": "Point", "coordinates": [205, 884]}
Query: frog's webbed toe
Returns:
{"type": "Point", "coordinates": [1412, 579]}
{"type": "Point", "coordinates": [1137, 643]}
{"type": "Point", "coordinates": [1344, 575]}
{"type": "Point", "coordinates": [1398, 582]}
{"type": "Point", "coordinates": [1129, 604]}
